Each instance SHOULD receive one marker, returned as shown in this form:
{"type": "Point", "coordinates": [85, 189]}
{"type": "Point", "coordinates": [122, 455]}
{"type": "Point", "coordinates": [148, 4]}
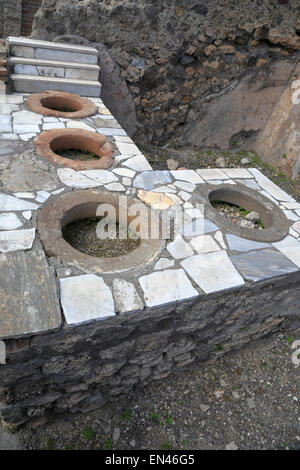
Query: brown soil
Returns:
{"type": "Point", "coordinates": [76, 154]}
{"type": "Point", "coordinates": [234, 213]}
{"type": "Point", "coordinates": [82, 235]}
{"type": "Point", "coordinates": [62, 109]}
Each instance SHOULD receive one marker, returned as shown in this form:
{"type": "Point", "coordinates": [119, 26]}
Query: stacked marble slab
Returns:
{"type": "Point", "coordinates": [38, 65]}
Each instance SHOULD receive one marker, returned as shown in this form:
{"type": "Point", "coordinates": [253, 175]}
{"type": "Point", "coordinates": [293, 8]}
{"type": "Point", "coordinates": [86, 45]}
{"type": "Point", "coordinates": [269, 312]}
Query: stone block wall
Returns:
{"type": "Point", "coordinates": [178, 55]}
{"type": "Point", "coordinates": [80, 368]}
{"type": "Point", "coordinates": [10, 18]}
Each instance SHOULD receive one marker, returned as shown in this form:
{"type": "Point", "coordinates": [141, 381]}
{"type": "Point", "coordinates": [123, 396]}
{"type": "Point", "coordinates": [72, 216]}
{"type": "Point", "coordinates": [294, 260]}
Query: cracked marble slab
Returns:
{"type": "Point", "coordinates": [213, 271]}
{"type": "Point", "coordinates": [166, 286]}
{"type": "Point", "coordinates": [85, 298]}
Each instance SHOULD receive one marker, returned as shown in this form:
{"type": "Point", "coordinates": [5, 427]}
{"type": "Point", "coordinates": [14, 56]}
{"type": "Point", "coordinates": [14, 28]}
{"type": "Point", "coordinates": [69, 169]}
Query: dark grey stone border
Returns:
{"type": "Point", "coordinates": [81, 204]}
{"type": "Point", "coordinates": [275, 222]}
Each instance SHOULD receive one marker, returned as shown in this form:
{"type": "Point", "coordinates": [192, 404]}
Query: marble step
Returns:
{"type": "Point", "coordinates": [53, 68]}
{"type": "Point", "coordinates": [36, 84]}
{"type": "Point", "coordinates": [47, 50]}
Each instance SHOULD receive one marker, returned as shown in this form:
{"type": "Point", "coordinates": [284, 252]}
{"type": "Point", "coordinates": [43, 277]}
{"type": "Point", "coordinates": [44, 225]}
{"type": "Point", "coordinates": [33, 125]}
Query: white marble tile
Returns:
{"type": "Point", "coordinates": [121, 138]}
{"type": "Point", "coordinates": [163, 189]}
{"type": "Point", "coordinates": [270, 187]}
{"type": "Point", "coordinates": [27, 117]}
{"type": "Point", "coordinates": [128, 149]}
{"type": "Point", "coordinates": [25, 195]}
{"type": "Point", "coordinates": [85, 298]}
{"type": "Point", "coordinates": [5, 123]}
{"type": "Point", "coordinates": [187, 175]}
{"type": "Point", "coordinates": [9, 221]}
{"type": "Point", "coordinates": [110, 131]}
{"type": "Point", "coordinates": [287, 241]}
{"type": "Point", "coordinates": [80, 125]}
{"type": "Point", "coordinates": [291, 215]}
{"type": "Point", "coordinates": [220, 239]}
{"type": "Point", "coordinates": [12, 99]}
{"type": "Point", "coordinates": [125, 172]}
{"type": "Point", "coordinates": [240, 173]}
{"type": "Point", "coordinates": [185, 196]}
{"type": "Point", "coordinates": [126, 296]}
{"type": "Point", "coordinates": [213, 271]}
{"type": "Point", "coordinates": [196, 212]}
{"type": "Point", "coordinates": [50, 119]}
{"type": "Point", "coordinates": [291, 252]}
{"type": "Point", "coordinates": [115, 187]}
{"type": "Point", "coordinates": [10, 203]}
{"type": "Point", "coordinates": [185, 186]}
{"type": "Point", "coordinates": [47, 126]}
{"type": "Point", "coordinates": [42, 196]}
{"type": "Point", "coordinates": [164, 263]}
{"type": "Point", "coordinates": [204, 244]}
{"type": "Point", "coordinates": [8, 108]}
{"type": "Point", "coordinates": [126, 181]}
{"type": "Point", "coordinates": [296, 227]}
{"type": "Point", "coordinates": [252, 184]}
{"type": "Point", "coordinates": [16, 240]}
{"type": "Point", "coordinates": [27, 137]}
{"type": "Point", "coordinates": [8, 136]}
{"type": "Point", "coordinates": [212, 174]}
{"type": "Point", "coordinates": [121, 158]}
{"type": "Point", "coordinates": [26, 129]}
{"type": "Point", "coordinates": [58, 191]}
{"type": "Point", "coordinates": [293, 233]}
{"type": "Point", "coordinates": [81, 179]}
{"type": "Point", "coordinates": [268, 196]}
{"type": "Point", "coordinates": [174, 198]}
{"type": "Point", "coordinates": [100, 176]}
{"type": "Point", "coordinates": [166, 286]}
{"type": "Point", "coordinates": [291, 205]}
{"type": "Point", "coordinates": [179, 249]}
{"type": "Point", "coordinates": [137, 163]}
{"type": "Point", "coordinates": [27, 215]}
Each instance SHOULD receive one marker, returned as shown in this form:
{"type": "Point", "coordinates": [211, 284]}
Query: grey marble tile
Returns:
{"type": "Point", "coordinates": [149, 179]}
{"type": "Point", "coordinates": [262, 264]}
{"type": "Point", "coordinates": [198, 227]}
{"type": "Point", "coordinates": [236, 243]}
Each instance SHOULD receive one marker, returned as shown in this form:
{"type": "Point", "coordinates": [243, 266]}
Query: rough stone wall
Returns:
{"type": "Point", "coordinates": [176, 55]}
{"type": "Point", "coordinates": [81, 368]}
{"type": "Point", "coordinates": [10, 18]}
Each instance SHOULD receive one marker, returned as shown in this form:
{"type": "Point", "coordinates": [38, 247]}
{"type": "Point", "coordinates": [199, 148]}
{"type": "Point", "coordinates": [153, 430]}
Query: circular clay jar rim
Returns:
{"type": "Point", "coordinates": [84, 107]}
{"type": "Point", "coordinates": [49, 141]}
{"type": "Point", "coordinates": [275, 222]}
{"type": "Point", "coordinates": [83, 204]}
